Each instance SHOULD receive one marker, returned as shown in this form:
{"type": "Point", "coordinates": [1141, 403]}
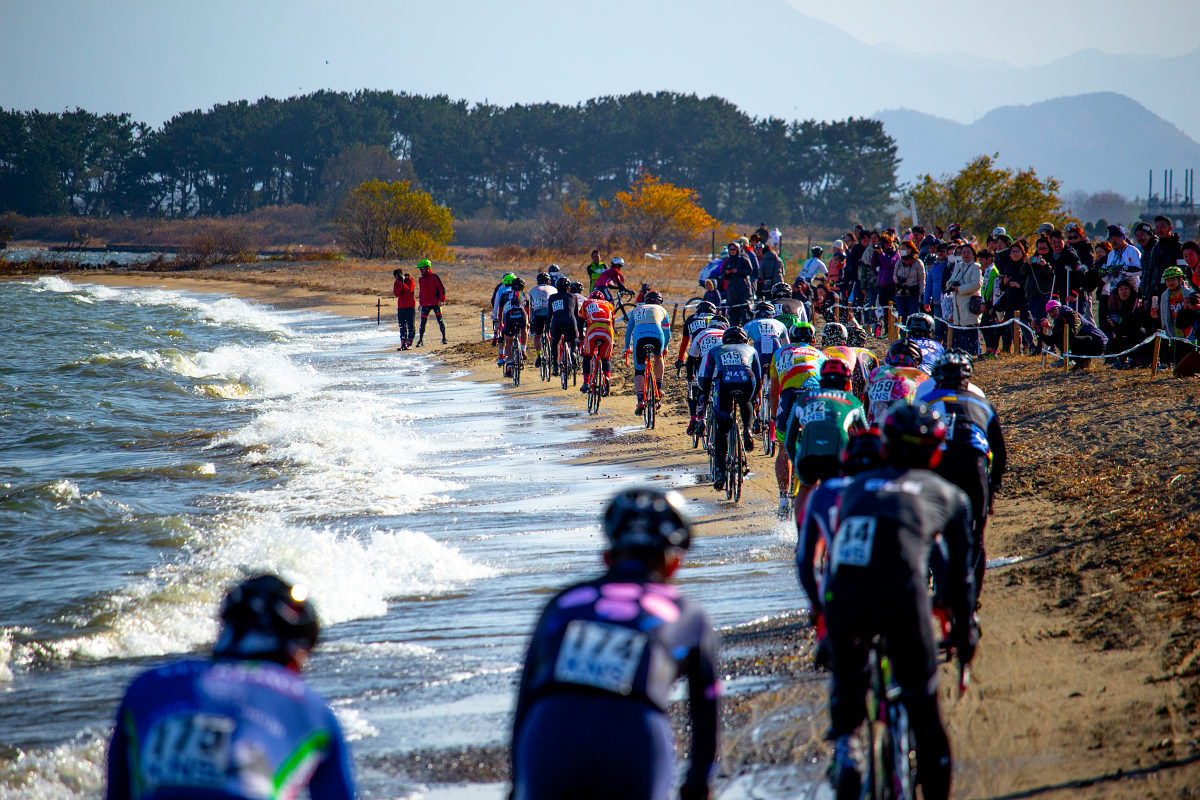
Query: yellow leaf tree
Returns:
{"type": "Point", "coordinates": [981, 196]}
{"type": "Point", "coordinates": [381, 219]}
{"type": "Point", "coordinates": [654, 212]}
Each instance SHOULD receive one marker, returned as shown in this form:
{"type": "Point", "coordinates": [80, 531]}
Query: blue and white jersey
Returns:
{"type": "Point", "coordinates": [767, 336]}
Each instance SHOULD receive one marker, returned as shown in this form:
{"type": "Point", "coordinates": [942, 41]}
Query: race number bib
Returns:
{"type": "Point", "coordinates": [854, 541]}
{"type": "Point", "coordinates": [881, 390]}
{"type": "Point", "coordinates": [190, 749]}
{"type": "Point", "coordinates": [768, 345]}
{"type": "Point", "coordinates": [731, 359]}
{"type": "Point", "coordinates": [600, 655]}
{"type": "Point", "coordinates": [812, 412]}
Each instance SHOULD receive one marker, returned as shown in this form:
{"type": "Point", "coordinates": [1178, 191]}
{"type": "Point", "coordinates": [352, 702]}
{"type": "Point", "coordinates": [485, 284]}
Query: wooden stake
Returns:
{"type": "Point", "coordinates": [1016, 342]}
{"type": "Point", "coordinates": [1157, 348]}
{"type": "Point", "coordinates": [1066, 341]}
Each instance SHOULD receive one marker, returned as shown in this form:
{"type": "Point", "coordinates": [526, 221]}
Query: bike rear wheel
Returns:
{"type": "Point", "coordinates": [564, 369]}
{"type": "Point", "coordinates": [547, 366]}
{"type": "Point", "coordinates": [650, 387]}
{"type": "Point", "coordinates": [517, 363]}
{"type": "Point", "coordinates": [595, 387]}
{"type": "Point", "coordinates": [734, 457]}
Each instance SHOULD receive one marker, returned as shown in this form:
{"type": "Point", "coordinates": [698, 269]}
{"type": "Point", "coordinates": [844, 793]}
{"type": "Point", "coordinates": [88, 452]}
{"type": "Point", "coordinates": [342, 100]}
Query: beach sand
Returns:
{"type": "Point", "coordinates": [1086, 681]}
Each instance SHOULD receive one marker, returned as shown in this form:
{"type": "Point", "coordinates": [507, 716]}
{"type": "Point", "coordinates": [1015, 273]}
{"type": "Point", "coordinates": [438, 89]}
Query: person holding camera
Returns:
{"type": "Point", "coordinates": [1178, 311]}
{"type": "Point", "coordinates": [965, 288]}
{"type": "Point", "coordinates": [1039, 283]}
{"type": "Point", "coordinates": [405, 291]}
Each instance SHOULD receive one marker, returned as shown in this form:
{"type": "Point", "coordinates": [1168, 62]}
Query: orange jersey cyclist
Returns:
{"type": "Point", "coordinates": [597, 338]}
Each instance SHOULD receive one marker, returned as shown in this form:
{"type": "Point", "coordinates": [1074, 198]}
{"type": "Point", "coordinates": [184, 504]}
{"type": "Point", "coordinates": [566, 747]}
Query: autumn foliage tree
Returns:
{"type": "Point", "coordinates": [982, 196]}
{"type": "Point", "coordinates": [654, 212]}
{"type": "Point", "coordinates": [381, 219]}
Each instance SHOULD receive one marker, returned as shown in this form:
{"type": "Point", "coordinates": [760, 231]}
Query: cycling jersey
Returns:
{"type": "Point", "coordinates": [564, 307]}
{"type": "Point", "coordinates": [930, 350]}
{"type": "Point", "coordinates": [861, 362]}
{"type": "Point", "coordinates": [514, 315]}
{"type": "Point", "coordinates": [610, 277]}
{"type": "Point", "coordinates": [972, 421]}
{"type": "Point", "coordinates": [596, 687]}
{"type": "Point", "coordinates": [789, 305]}
{"type": "Point", "coordinates": [691, 327]}
{"type": "Point", "coordinates": [539, 299]}
{"type": "Point", "coordinates": [597, 314]}
{"type": "Point", "coordinates": [767, 336]}
{"type": "Point", "coordinates": [797, 366]}
{"type": "Point", "coordinates": [733, 365]}
{"type": "Point", "coordinates": [225, 730]}
{"type": "Point", "coordinates": [650, 324]}
{"type": "Point", "coordinates": [820, 425]}
{"type": "Point", "coordinates": [888, 384]}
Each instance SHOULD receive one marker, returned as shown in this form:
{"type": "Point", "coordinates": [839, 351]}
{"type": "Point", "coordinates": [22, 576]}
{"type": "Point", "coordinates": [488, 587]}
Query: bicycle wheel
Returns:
{"type": "Point", "coordinates": [764, 422]}
{"type": "Point", "coordinates": [650, 387]}
{"type": "Point", "coordinates": [879, 768]}
{"type": "Point", "coordinates": [563, 369]}
{"type": "Point", "coordinates": [517, 363]}
{"type": "Point", "coordinates": [547, 368]}
{"type": "Point", "coordinates": [733, 456]}
{"type": "Point", "coordinates": [595, 387]}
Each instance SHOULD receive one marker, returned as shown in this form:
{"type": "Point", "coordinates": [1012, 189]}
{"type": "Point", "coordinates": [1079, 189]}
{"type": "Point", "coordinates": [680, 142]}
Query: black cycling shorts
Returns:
{"type": "Point", "coordinates": [812, 469]}
{"type": "Point", "coordinates": [563, 330]}
{"type": "Point", "coordinates": [539, 324]}
{"type": "Point", "coordinates": [639, 364]}
{"type": "Point", "coordinates": [513, 327]}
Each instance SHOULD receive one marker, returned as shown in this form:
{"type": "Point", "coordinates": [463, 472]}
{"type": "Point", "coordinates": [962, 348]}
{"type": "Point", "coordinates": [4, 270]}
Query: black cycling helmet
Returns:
{"type": "Point", "coordinates": [543, 278]}
{"type": "Point", "coordinates": [518, 284]}
{"type": "Point", "coordinates": [953, 369]}
{"type": "Point", "coordinates": [913, 435]}
{"type": "Point", "coordinates": [553, 268]}
{"type": "Point", "coordinates": [647, 519]}
{"type": "Point", "coordinates": [903, 353]}
{"type": "Point", "coordinates": [856, 336]}
{"type": "Point", "coordinates": [268, 619]}
{"type": "Point", "coordinates": [576, 287]}
{"type": "Point", "coordinates": [653, 298]}
{"type": "Point", "coordinates": [817, 250]}
{"type": "Point", "coordinates": [835, 374]}
{"type": "Point", "coordinates": [834, 335]}
{"type": "Point", "coordinates": [919, 324]}
{"type": "Point", "coordinates": [764, 310]}
{"type": "Point", "coordinates": [735, 335]}
{"type": "Point", "coordinates": [801, 333]}
{"type": "Point", "coordinates": [864, 451]}
{"type": "Point", "coordinates": [562, 284]}
{"type": "Point", "coordinates": [705, 307]}
{"type": "Point", "coordinates": [781, 291]}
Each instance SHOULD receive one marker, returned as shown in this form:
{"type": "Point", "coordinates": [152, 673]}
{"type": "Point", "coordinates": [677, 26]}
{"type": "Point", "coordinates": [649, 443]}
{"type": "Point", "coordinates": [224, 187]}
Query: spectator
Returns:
{"type": "Point", "coordinates": [1166, 253]}
{"type": "Point", "coordinates": [762, 233]}
{"type": "Point", "coordinates": [738, 274]}
{"type": "Point", "coordinates": [851, 289]}
{"type": "Point", "coordinates": [711, 294]}
{"type": "Point", "coordinates": [594, 269]}
{"type": "Point", "coordinates": [1190, 256]}
{"type": "Point", "coordinates": [1146, 238]}
{"type": "Point", "coordinates": [1130, 323]}
{"type": "Point", "coordinates": [884, 261]}
{"type": "Point", "coordinates": [1039, 284]}
{"type": "Point", "coordinates": [965, 285]}
{"type": "Point", "coordinates": [990, 293]}
{"type": "Point", "coordinates": [837, 263]}
{"type": "Point", "coordinates": [1176, 311]}
{"type": "Point", "coordinates": [1123, 262]}
{"type": "Point", "coordinates": [749, 252]}
{"type": "Point", "coordinates": [1012, 300]}
{"type": "Point", "coordinates": [910, 281]}
{"type": "Point", "coordinates": [868, 276]}
{"type": "Point", "coordinates": [1068, 279]}
{"type": "Point", "coordinates": [770, 271]}
{"type": "Point", "coordinates": [433, 295]}
{"type": "Point", "coordinates": [1083, 337]}
{"type": "Point", "coordinates": [405, 290]}
{"type": "Point", "coordinates": [936, 274]}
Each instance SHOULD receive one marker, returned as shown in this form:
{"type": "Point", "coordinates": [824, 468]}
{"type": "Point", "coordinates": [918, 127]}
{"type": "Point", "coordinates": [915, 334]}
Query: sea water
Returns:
{"type": "Point", "coordinates": [156, 446]}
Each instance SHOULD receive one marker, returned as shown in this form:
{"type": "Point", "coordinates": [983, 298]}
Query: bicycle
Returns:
{"type": "Point", "coordinates": [620, 306]}
{"type": "Point", "coordinates": [567, 369]}
{"type": "Point", "coordinates": [518, 360]}
{"type": "Point", "coordinates": [650, 396]}
{"type": "Point", "coordinates": [735, 455]}
{"type": "Point", "coordinates": [710, 437]}
{"type": "Point", "coordinates": [595, 387]}
{"type": "Point", "coordinates": [766, 422]}
{"type": "Point", "coordinates": [547, 365]}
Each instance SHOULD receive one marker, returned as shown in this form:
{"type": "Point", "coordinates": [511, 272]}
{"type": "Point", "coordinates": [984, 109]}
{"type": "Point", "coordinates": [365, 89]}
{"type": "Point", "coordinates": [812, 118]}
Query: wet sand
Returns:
{"type": "Point", "coordinates": [1086, 681]}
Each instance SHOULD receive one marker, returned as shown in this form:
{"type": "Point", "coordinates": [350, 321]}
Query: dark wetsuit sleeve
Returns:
{"type": "Point", "coordinates": [703, 691]}
{"type": "Point", "coordinates": [333, 778]}
{"type": "Point", "coordinates": [963, 550]}
{"type": "Point", "coordinates": [995, 437]}
{"type": "Point", "coordinates": [806, 551]}
{"type": "Point", "coordinates": [118, 760]}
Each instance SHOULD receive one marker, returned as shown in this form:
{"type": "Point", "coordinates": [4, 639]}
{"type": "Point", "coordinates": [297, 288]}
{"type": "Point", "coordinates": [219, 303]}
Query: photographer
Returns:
{"type": "Point", "coordinates": [1130, 322]}
{"type": "Point", "coordinates": [964, 288]}
{"type": "Point", "coordinates": [1039, 283]}
{"type": "Point", "coordinates": [405, 291]}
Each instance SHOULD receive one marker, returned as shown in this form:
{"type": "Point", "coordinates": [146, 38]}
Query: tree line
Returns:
{"type": "Point", "coordinates": [516, 161]}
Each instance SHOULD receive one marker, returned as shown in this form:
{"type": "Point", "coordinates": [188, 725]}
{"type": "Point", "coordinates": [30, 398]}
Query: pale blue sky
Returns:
{"type": "Point", "coordinates": [155, 58]}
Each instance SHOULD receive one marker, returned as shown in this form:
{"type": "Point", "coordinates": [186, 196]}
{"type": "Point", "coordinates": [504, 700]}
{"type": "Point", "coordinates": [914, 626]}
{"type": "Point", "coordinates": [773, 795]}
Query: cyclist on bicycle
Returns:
{"type": "Point", "coordinates": [784, 303]}
{"type": "Point", "coordinates": [580, 320]}
{"type": "Point", "coordinates": [794, 370]}
{"type": "Point", "coordinates": [897, 379]}
{"type": "Point", "coordinates": [835, 342]}
{"type": "Point", "coordinates": [649, 326]}
{"type": "Point", "coordinates": [731, 371]}
{"type": "Point", "coordinates": [591, 717]}
{"type": "Point", "coordinates": [499, 298]}
{"type": "Point", "coordinates": [597, 338]}
{"type": "Point", "coordinates": [878, 584]}
{"type": "Point", "coordinates": [819, 426]}
{"type": "Point", "coordinates": [767, 335]}
{"type": "Point", "coordinates": [975, 456]}
{"type": "Point", "coordinates": [919, 329]}
{"type": "Point", "coordinates": [538, 299]}
{"type": "Point", "coordinates": [241, 724]}
{"type": "Point", "coordinates": [816, 521]}
{"type": "Point", "coordinates": [564, 309]}
{"type": "Point", "coordinates": [611, 279]}
{"type": "Point", "coordinates": [516, 323]}
{"type": "Point", "coordinates": [704, 341]}
{"type": "Point", "coordinates": [696, 322]}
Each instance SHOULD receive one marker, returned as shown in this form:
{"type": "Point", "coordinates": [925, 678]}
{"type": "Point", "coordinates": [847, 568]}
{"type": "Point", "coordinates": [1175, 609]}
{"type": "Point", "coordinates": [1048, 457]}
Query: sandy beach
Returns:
{"type": "Point", "coordinates": [1086, 682]}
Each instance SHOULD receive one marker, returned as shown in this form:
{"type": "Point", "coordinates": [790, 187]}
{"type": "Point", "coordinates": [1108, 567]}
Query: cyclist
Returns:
{"type": "Point", "coordinates": [594, 269]}
{"type": "Point", "coordinates": [698, 321]}
{"type": "Point", "coordinates": [819, 426]}
{"type": "Point", "coordinates": [241, 724]}
{"type": "Point", "coordinates": [919, 329]}
{"type": "Point", "coordinates": [794, 370]}
{"type": "Point", "coordinates": [766, 333]}
{"type": "Point", "coordinates": [897, 379]}
{"type": "Point", "coordinates": [598, 338]}
{"type": "Point", "coordinates": [499, 295]}
{"type": "Point", "coordinates": [816, 521]}
{"type": "Point", "coordinates": [564, 310]}
{"type": "Point", "coordinates": [878, 585]}
{"type": "Point", "coordinates": [539, 312]}
{"type": "Point", "coordinates": [649, 324]}
{"type": "Point", "coordinates": [730, 368]}
{"type": "Point", "coordinates": [702, 343]}
{"type": "Point", "coordinates": [516, 323]}
{"type": "Point", "coordinates": [580, 320]}
{"type": "Point", "coordinates": [555, 272]}
{"type": "Point", "coordinates": [611, 279]}
{"type": "Point", "coordinates": [975, 456]}
{"type": "Point", "coordinates": [836, 344]}
{"type": "Point", "coordinates": [784, 303]}
{"type": "Point", "coordinates": [591, 717]}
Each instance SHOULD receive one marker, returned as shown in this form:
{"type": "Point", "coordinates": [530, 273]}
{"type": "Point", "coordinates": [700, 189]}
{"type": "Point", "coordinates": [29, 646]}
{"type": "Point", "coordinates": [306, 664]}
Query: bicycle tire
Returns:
{"type": "Point", "coordinates": [563, 367]}
{"type": "Point", "coordinates": [547, 367]}
{"type": "Point", "coordinates": [650, 389]}
{"type": "Point", "coordinates": [880, 785]}
{"type": "Point", "coordinates": [595, 387]}
{"type": "Point", "coordinates": [517, 363]}
{"type": "Point", "coordinates": [733, 456]}
{"type": "Point", "coordinates": [764, 415]}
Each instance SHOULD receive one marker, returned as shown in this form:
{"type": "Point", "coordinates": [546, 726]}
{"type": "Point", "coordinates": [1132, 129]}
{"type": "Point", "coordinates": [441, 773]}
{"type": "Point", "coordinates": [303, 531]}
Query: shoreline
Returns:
{"type": "Point", "coordinates": [1070, 697]}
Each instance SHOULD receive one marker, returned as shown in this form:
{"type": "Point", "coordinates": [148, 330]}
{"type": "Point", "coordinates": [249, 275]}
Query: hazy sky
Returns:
{"type": "Point", "coordinates": [155, 58]}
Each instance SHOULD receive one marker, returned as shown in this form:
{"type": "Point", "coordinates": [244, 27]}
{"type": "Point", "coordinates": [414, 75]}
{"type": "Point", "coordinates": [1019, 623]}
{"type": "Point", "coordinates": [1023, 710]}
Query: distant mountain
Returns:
{"type": "Point", "coordinates": [1090, 142]}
